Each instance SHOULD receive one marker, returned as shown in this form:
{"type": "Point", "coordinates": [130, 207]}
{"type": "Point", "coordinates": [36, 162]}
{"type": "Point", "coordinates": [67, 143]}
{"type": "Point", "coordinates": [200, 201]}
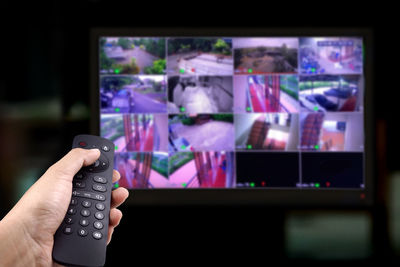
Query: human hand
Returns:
{"type": "Point", "coordinates": [27, 231]}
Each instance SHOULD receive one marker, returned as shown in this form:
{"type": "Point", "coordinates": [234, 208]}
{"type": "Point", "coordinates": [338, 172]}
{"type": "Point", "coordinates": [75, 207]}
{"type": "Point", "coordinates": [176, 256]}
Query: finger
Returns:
{"type": "Point", "coordinates": [118, 196]}
{"type": "Point", "coordinates": [115, 217]}
{"type": "Point", "coordinates": [71, 163]}
{"type": "Point", "coordinates": [55, 264]}
{"type": "Point", "coordinates": [116, 176]}
{"type": "Point", "coordinates": [109, 235]}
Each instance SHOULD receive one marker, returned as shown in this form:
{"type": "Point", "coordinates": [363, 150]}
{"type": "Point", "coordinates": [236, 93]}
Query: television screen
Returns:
{"type": "Point", "coordinates": [234, 112]}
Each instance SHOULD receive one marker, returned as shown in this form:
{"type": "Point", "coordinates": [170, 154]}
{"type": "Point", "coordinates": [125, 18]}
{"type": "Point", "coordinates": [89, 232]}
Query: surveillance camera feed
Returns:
{"type": "Point", "coordinates": [234, 112]}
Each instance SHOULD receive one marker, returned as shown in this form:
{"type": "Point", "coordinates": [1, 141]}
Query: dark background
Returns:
{"type": "Point", "coordinates": [44, 102]}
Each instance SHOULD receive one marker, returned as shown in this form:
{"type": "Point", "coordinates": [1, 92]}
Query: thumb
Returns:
{"type": "Point", "coordinates": [71, 163]}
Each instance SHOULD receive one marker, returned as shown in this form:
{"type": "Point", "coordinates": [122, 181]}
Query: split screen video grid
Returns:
{"type": "Point", "coordinates": [234, 112]}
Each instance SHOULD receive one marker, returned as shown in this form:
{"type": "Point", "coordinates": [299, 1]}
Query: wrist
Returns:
{"type": "Point", "coordinates": [17, 248]}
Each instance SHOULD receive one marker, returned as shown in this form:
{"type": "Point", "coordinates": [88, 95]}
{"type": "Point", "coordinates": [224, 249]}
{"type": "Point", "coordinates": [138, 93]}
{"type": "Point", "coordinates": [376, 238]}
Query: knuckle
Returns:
{"type": "Point", "coordinates": [77, 151]}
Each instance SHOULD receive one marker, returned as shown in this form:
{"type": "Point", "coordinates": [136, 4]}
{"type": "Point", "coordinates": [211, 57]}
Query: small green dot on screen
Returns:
{"type": "Point", "coordinates": [250, 70]}
{"type": "Point", "coordinates": [249, 146]}
{"type": "Point", "coordinates": [313, 69]}
{"type": "Point", "coordinates": [117, 109]}
{"type": "Point", "coordinates": [182, 71]}
{"type": "Point", "coordinates": [182, 109]}
{"type": "Point", "coordinates": [117, 71]}
{"type": "Point", "coordinates": [116, 185]}
{"type": "Point", "coordinates": [316, 146]}
{"type": "Point", "coordinates": [317, 185]}
{"type": "Point", "coordinates": [184, 184]}
{"type": "Point", "coordinates": [183, 147]}
{"type": "Point", "coordinates": [252, 184]}
{"type": "Point", "coordinates": [116, 147]}
{"type": "Point", "coordinates": [248, 109]}
{"type": "Point", "coordinates": [316, 108]}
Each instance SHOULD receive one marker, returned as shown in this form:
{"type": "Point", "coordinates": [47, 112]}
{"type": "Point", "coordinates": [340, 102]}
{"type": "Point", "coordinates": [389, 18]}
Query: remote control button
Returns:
{"type": "Point", "coordinates": [100, 206]}
{"type": "Point", "coordinates": [80, 176]}
{"type": "Point", "coordinates": [94, 165]}
{"type": "Point", "coordinates": [71, 211]}
{"type": "Point", "coordinates": [82, 194]}
{"type": "Point", "coordinates": [84, 222]}
{"type": "Point", "coordinates": [97, 235]}
{"type": "Point", "coordinates": [99, 187]}
{"type": "Point", "coordinates": [98, 225]}
{"type": "Point", "coordinates": [86, 194]}
{"type": "Point", "coordinates": [100, 197]}
{"type": "Point", "coordinates": [79, 184]}
{"type": "Point", "coordinates": [68, 230]}
{"type": "Point", "coordinates": [99, 215]}
{"type": "Point", "coordinates": [74, 201]}
{"type": "Point", "coordinates": [69, 220]}
{"type": "Point", "coordinates": [82, 144]}
{"type": "Point", "coordinates": [105, 148]}
{"type": "Point", "coordinates": [86, 203]}
{"type": "Point", "coordinates": [85, 213]}
{"type": "Point", "coordinates": [100, 179]}
{"type": "Point", "coordinates": [82, 232]}
{"type": "Point", "coordinates": [100, 165]}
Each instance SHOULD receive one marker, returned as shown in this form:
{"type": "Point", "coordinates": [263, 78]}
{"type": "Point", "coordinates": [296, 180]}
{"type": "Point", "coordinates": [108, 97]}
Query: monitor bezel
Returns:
{"type": "Point", "coordinates": [290, 197]}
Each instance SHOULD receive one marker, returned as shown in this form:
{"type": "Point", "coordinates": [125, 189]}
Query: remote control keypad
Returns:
{"type": "Point", "coordinates": [88, 215]}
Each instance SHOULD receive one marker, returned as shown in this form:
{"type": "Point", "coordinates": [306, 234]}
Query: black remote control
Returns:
{"type": "Point", "coordinates": [81, 238]}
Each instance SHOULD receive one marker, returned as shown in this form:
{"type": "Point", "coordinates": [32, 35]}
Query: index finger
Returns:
{"type": "Point", "coordinates": [116, 176]}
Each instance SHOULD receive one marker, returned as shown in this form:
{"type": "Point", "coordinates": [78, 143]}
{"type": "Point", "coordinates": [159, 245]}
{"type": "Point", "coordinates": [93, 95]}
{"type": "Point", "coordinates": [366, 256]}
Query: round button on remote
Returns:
{"type": "Point", "coordinates": [99, 187]}
{"type": "Point", "coordinates": [86, 203]}
{"type": "Point", "coordinates": [84, 222]}
{"type": "Point", "coordinates": [79, 176]}
{"type": "Point", "coordinates": [98, 225]}
{"type": "Point", "coordinates": [100, 206]}
{"type": "Point", "coordinates": [82, 144]}
{"type": "Point", "coordinates": [85, 213]}
{"type": "Point", "coordinates": [99, 165]}
{"type": "Point", "coordinates": [82, 232]}
{"type": "Point", "coordinates": [71, 211]}
{"type": "Point", "coordinates": [99, 215]}
{"type": "Point", "coordinates": [100, 179]}
{"type": "Point", "coordinates": [69, 220]}
{"type": "Point", "coordinates": [97, 235]}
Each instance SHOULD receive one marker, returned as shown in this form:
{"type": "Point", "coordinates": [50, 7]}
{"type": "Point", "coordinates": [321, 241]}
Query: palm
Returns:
{"type": "Point", "coordinates": [48, 209]}
{"type": "Point", "coordinates": [35, 218]}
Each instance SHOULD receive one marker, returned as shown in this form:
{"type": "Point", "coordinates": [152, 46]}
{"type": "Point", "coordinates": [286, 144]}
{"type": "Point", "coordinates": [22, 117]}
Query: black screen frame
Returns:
{"type": "Point", "coordinates": [290, 197]}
